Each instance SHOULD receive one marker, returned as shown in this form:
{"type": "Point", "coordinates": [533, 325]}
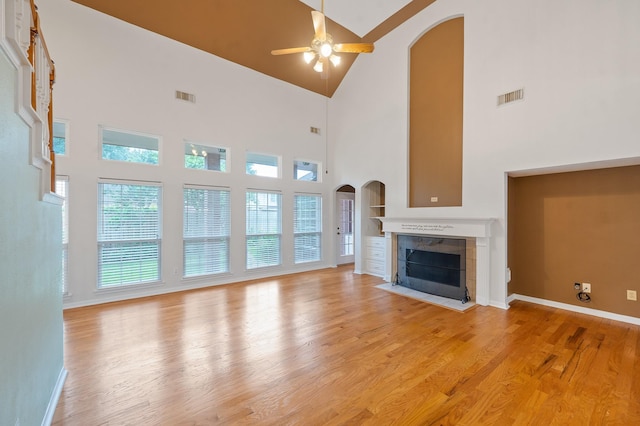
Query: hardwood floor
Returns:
{"type": "Point", "coordinates": [328, 348]}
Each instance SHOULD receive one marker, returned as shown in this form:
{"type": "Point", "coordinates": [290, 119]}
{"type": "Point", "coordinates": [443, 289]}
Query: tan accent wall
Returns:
{"type": "Point", "coordinates": [577, 227]}
{"type": "Point", "coordinates": [435, 116]}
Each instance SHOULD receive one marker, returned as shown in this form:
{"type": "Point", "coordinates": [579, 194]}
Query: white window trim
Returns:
{"type": "Point", "coordinates": [227, 156]}
{"type": "Point", "coordinates": [65, 245]}
{"type": "Point", "coordinates": [278, 160]}
{"type": "Point", "coordinates": [319, 233]}
{"type": "Point", "coordinates": [304, 160]}
{"type": "Point", "coordinates": [251, 236]}
{"type": "Point", "coordinates": [228, 237]}
{"type": "Point", "coordinates": [146, 284]}
{"type": "Point", "coordinates": [67, 137]}
{"type": "Point", "coordinates": [102, 128]}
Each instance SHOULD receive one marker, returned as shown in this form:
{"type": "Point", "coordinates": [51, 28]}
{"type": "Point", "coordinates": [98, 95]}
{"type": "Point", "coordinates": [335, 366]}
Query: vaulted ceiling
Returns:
{"type": "Point", "coordinates": [245, 31]}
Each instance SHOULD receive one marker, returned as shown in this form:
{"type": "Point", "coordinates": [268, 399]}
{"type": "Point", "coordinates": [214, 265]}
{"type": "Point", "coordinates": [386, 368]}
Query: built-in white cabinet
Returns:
{"type": "Point", "coordinates": [374, 256]}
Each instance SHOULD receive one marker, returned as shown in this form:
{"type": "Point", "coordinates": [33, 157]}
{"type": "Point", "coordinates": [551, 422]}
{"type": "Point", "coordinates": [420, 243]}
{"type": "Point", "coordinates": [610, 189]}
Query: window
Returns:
{"type": "Point", "coordinates": [131, 147]}
{"type": "Point", "coordinates": [305, 170]}
{"type": "Point", "coordinates": [60, 137]}
{"type": "Point", "coordinates": [346, 218]}
{"type": "Point", "coordinates": [263, 165]}
{"type": "Point", "coordinates": [62, 189]}
{"type": "Point", "coordinates": [205, 157]}
{"type": "Point", "coordinates": [128, 233]}
{"type": "Point", "coordinates": [206, 230]}
{"type": "Point", "coordinates": [307, 228]}
{"type": "Point", "coordinates": [263, 220]}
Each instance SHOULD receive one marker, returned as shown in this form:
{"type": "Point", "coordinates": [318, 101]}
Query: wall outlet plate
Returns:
{"type": "Point", "coordinates": [586, 287]}
{"type": "Point", "coordinates": [632, 295]}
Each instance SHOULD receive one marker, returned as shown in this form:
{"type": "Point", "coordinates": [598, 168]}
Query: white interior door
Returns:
{"type": "Point", "coordinates": [345, 213]}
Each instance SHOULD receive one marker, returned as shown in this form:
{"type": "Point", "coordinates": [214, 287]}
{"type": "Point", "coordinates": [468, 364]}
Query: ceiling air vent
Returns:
{"type": "Point", "coordinates": [516, 95]}
{"type": "Point", "coordinates": [189, 97]}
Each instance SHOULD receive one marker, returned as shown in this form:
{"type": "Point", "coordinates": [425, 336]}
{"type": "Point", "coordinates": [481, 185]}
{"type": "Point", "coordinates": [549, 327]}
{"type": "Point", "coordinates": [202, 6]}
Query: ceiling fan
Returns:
{"type": "Point", "coordinates": [322, 47]}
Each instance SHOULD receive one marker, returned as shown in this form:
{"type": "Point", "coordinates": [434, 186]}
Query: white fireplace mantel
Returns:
{"type": "Point", "coordinates": [439, 226]}
{"type": "Point", "coordinates": [477, 228]}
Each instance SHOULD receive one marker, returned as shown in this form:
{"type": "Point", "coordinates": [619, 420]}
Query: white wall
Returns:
{"type": "Point", "coordinates": [115, 74]}
{"type": "Point", "coordinates": [578, 62]}
{"type": "Point", "coordinates": [31, 358]}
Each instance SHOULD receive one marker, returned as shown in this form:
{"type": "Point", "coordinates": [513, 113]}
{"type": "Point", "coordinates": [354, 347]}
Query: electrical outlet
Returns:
{"type": "Point", "coordinates": [576, 286]}
{"type": "Point", "coordinates": [586, 287]}
{"type": "Point", "coordinates": [632, 295]}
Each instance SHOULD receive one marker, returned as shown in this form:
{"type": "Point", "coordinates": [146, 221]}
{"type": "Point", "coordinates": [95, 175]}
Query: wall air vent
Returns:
{"type": "Point", "coordinates": [516, 95]}
{"type": "Point", "coordinates": [189, 97]}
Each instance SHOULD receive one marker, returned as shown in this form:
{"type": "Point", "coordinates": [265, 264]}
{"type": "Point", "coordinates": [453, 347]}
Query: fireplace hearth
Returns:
{"type": "Point", "coordinates": [434, 265]}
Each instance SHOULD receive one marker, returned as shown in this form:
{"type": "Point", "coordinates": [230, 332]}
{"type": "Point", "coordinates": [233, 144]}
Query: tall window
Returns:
{"type": "Point", "coordinates": [262, 165]}
{"type": "Point", "coordinates": [62, 189]}
{"type": "Point", "coordinates": [129, 146]}
{"type": "Point", "coordinates": [264, 228]}
{"type": "Point", "coordinates": [307, 228]}
{"type": "Point", "coordinates": [128, 233]}
{"type": "Point", "coordinates": [206, 230]}
{"type": "Point", "coordinates": [205, 157]}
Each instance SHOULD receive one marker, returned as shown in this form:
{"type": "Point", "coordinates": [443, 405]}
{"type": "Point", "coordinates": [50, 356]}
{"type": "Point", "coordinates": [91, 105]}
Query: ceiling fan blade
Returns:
{"type": "Point", "coordinates": [290, 50]}
{"type": "Point", "coordinates": [319, 25]}
{"type": "Point", "coordinates": [353, 47]}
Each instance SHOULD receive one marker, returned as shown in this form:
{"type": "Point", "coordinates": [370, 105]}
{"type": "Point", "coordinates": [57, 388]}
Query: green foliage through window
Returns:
{"type": "Point", "coordinates": [131, 147]}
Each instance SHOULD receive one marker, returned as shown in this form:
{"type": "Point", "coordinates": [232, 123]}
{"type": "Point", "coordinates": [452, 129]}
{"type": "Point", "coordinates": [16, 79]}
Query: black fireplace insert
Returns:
{"type": "Point", "coordinates": [433, 265]}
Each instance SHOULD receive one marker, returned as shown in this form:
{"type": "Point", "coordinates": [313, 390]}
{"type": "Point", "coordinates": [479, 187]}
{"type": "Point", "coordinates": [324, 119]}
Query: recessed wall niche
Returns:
{"type": "Point", "coordinates": [435, 116]}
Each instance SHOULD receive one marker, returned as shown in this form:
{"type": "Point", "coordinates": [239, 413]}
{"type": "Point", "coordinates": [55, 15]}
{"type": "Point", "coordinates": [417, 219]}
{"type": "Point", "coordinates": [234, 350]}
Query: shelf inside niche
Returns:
{"type": "Point", "coordinates": [374, 200]}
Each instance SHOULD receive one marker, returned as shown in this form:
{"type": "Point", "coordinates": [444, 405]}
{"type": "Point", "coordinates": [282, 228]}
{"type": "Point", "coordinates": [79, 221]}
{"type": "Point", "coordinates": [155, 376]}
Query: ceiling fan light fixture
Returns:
{"type": "Point", "coordinates": [321, 50]}
{"type": "Point", "coordinates": [326, 49]}
{"type": "Point", "coordinates": [308, 56]}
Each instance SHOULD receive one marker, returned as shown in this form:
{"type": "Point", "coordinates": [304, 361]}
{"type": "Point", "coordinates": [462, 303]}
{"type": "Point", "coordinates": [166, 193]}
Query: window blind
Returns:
{"type": "Point", "coordinates": [307, 228]}
{"type": "Point", "coordinates": [62, 189]}
{"type": "Point", "coordinates": [206, 231]}
{"type": "Point", "coordinates": [263, 229]}
{"type": "Point", "coordinates": [128, 233]}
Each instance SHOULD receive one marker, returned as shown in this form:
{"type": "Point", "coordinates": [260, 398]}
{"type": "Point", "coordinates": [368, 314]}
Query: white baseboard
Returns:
{"type": "Point", "coordinates": [135, 292]}
{"type": "Point", "coordinates": [579, 309]}
{"type": "Point", "coordinates": [55, 397]}
{"type": "Point", "coordinates": [497, 304]}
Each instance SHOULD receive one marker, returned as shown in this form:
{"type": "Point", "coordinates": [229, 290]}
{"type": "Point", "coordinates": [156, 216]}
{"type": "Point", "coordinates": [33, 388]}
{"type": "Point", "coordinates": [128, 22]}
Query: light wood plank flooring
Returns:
{"type": "Point", "coordinates": [328, 348]}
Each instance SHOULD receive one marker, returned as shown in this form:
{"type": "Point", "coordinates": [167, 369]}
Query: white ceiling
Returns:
{"type": "Point", "coordinates": [358, 16]}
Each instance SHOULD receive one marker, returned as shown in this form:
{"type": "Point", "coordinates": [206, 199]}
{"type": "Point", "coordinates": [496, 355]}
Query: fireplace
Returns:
{"type": "Point", "coordinates": [434, 265]}
{"type": "Point", "coordinates": [475, 231]}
